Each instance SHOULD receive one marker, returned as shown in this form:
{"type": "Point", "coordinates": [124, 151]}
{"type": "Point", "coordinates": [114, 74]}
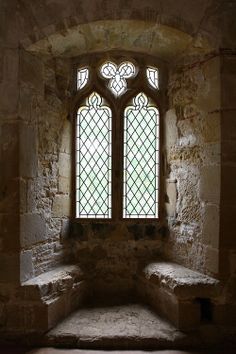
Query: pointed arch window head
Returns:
{"type": "Point", "coordinates": [117, 76]}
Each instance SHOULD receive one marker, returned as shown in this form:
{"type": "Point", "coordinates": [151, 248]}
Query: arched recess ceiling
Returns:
{"type": "Point", "coordinates": [162, 41]}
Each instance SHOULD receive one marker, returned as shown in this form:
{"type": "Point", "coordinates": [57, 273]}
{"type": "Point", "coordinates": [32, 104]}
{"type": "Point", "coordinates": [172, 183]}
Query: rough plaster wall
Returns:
{"type": "Point", "coordinates": [193, 164]}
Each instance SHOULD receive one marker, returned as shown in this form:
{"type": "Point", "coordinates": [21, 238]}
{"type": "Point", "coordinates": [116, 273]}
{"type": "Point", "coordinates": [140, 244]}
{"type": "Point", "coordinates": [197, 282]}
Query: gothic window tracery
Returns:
{"type": "Point", "coordinates": [117, 141]}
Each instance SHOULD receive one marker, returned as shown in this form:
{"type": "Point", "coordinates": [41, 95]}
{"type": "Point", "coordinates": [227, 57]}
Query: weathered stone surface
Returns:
{"type": "Point", "coordinates": [66, 138]}
{"type": "Point", "coordinates": [28, 151]}
{"type": "Point", "coordinates": [9, 92]}
{"type": "Point", "coordinates": [51, 296]}
{"type": "Point", "coordinates": [26, 266]}
{"type": "Point", "coordinates": [211, 128]}
{"type": "Point", "coordinates": [171, 131]}
{"type": "Point", "coordinates": [115, 327]}
{"type": "Point", "coordinates": [176, 292]}
{"type": "Point", "coordinates": [212, 259]}
{"type": "Point", "coordinates": [31, 196]}
{"type": "Point", "coordinates": [39, 303]}
{"type": "Point", "coordinates": [61, 205]}
{"type": "Point", "coordinates": [181, 281]}
{"type": "Point", "coordinates": [47, 255]}
{"type": "Point", "coordinates": [208, 97]}
{"type": "Point", "coordinates": [9, 151]}
{"type": "Point", "coordinates": [210, 184]}
{"type": "Point", "coordinates": [31, 71]}
{"type": "Point", "coordinates": [33, 229]}
{"type": "Point", "coordinates": [211, 225]}
{"type": "Point", "coordinates": [171, 192]}
{"type": "Point", "coordinates": [55, 275]}
{"type": "Point", "coordinates": [64, 185]}
{"type": "Point", "coordinates": [194, 159]}
{"type": "Point", "coordinates": [136, 35]}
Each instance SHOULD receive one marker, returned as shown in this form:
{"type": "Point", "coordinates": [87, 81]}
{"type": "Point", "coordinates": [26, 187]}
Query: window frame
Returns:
{"type": "Point", "coordinates": [117, 105]}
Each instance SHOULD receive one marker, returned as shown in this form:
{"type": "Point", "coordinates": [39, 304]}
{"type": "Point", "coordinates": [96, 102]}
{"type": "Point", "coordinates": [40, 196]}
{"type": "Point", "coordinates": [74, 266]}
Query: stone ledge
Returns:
{"type": "Point", "coordinates": [178, 293]}
{"type": "Point", "coordinates": [41, 302]}
{"type": "Point", "coordinates": [52, 283]}
{"type": "Point", "coordinates": [181, 281]}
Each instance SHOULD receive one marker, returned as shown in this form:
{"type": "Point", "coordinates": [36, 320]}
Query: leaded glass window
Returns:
{"type": "Point", "coordinates": [93, 159]}
{"type": "Point", "coordinates": [141, 149]}
{"type": "Point", "coordinates": [117, 141]}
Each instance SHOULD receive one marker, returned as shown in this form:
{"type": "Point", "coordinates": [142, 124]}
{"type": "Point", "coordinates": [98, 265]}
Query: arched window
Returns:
{"type": "Point", "coordinates": [117, 134]}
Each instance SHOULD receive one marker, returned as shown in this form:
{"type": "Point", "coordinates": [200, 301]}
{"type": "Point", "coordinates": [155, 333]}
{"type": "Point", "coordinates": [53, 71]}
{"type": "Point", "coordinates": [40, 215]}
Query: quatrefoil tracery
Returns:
{"type": "Point", "coordinates": [117, 76]}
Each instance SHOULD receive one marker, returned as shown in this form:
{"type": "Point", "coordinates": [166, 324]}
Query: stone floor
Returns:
{"type": "Point", "coordinates": [75, 351]}
{"type": "Point", "coordinates": [78, 351]}
{"type": "Point", "coordinates": [129, 328]}
{"type": "Point", "coordinates": [115, 327]}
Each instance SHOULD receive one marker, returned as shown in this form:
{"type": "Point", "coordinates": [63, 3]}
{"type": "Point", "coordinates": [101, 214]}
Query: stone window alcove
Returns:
{"type": "Point", "coordinates": [186, 118]}
{"type": "Point", "coordinates": [110, 253]}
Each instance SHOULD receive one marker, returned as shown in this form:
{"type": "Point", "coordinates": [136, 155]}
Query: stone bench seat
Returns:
{"type": "Point", "coordinates": [181, 281]}
{"type": "Point", "coordinates": [52, 283]}
{"type": "Point", "coordinates": [180, 294]}
{"type": "Point", "coordinates": [43, 301]}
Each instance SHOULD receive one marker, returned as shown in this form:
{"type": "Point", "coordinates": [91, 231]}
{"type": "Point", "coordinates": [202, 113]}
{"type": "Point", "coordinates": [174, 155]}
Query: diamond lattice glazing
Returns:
{"type": "Point", "coordinates": [141, 145]}
{"type": "Point", "coordinates": [93, 159]}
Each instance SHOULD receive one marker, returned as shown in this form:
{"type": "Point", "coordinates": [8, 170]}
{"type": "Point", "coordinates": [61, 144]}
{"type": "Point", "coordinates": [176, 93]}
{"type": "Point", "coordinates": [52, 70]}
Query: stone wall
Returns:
{"type": "Point", "coordinates": [9, 161]}
{"type": "Point", "coordinates": [45, 158]}
{"type": "Point", "coordinates": [227, 241]}
{"type": "Point", "coordinates": [193, 164]}
{"type": "Point", "coordinates": [112, 254]}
